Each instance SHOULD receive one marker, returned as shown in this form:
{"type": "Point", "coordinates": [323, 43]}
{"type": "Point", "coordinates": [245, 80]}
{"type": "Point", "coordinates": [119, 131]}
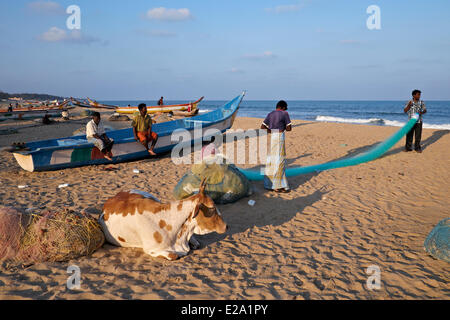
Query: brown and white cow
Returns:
{"type": "Point", "coordinates": [137, 219]}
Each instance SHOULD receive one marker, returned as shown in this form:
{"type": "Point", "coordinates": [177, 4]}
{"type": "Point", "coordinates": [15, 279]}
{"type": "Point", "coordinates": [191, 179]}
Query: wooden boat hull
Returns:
{"type": "Point", "coordinates": [33, 113]}
{"type": "Point", "coordinates": [76, 151]}
{"type": "Point", "coordinates": [92, 105]}
{"type": "Point", "coordinates": [156, 109]}
{"type": "Point", "coordinates": [186, 113]}
{"type": "Point", "coordinates": [95, 104]}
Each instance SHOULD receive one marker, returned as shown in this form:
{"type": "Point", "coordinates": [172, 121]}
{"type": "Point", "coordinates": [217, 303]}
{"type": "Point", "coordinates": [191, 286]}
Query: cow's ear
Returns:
{"type": "Point", "coordinates": [196, 211]}
{"type": "Point", "coordinates": [201, 190]}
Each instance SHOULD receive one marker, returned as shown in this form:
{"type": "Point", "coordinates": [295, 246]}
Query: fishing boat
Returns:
{"type": "Point", "coordinates": [91, 104]}
{"type": "Point", "coordinates": [191, 106]}
{"type": "Point", "coordinates": [76, 151]}
{"type": "Point", "coordinates": [34, 112]}
{"type": "Point", "coordinates": [79, 103]}
{"type": "Point", "coordinates": [95, 104]}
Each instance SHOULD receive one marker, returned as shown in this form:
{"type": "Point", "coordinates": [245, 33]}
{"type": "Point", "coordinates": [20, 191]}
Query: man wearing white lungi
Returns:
{"type": "Point", "coordinates": [95, 133]}
{"type": "Point", "coordinates": [276, 123]}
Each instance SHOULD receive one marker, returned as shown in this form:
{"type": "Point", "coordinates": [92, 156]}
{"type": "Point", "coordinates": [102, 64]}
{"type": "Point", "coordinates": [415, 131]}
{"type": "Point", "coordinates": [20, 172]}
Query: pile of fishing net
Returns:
{"type": "Point", "coordinates": [118, 117]}
{"type": "Point", "coordinates": [437, 244]}
{"type": "Point", "coordinates": [87, 113]}
{"type": "Point", "coordinates": [27, 238]}
{"type": "Point", "coordinates": [225, 183]}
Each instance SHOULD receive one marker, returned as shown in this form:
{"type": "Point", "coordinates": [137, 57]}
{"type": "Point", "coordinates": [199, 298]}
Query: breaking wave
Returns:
{"type": "Point", "coordinates": [378, 121]}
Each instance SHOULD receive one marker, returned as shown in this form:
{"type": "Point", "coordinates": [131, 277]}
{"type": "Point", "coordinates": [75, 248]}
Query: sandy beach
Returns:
{"type": "Point", "coordinates": [313, 243]}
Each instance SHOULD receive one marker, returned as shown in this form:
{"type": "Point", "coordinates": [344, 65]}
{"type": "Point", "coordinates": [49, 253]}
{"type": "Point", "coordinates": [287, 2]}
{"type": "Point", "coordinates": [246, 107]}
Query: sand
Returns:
{"type": "Point", "coordinates": [313, 243]}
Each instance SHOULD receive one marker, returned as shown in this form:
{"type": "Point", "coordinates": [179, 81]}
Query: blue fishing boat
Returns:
{"type": "Point", "coordinates": [76, 151]}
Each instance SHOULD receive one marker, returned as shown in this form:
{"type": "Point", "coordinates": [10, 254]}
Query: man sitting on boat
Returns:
{"type": "Point", "coordinates": [142, 129]}
{"type": "Point", "coordinates": [161, 101]}
{"type": "Point", "coordinates": [95, 133]}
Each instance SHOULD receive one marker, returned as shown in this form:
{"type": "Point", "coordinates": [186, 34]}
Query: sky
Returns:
{"type": "Point", "coordinates": [293, 49]}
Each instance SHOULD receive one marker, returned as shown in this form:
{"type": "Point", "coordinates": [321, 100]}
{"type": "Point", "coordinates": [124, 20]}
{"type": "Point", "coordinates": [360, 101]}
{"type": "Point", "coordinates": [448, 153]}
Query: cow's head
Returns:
{"type": "Point", "coordinates": [207, 216]}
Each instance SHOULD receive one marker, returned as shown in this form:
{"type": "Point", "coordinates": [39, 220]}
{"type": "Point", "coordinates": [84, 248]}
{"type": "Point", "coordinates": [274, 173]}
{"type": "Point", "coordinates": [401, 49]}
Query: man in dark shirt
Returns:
{"type": "Point", "coordinates": [412, 107]}
{"type": "Point", "coordinates": [277, 123]}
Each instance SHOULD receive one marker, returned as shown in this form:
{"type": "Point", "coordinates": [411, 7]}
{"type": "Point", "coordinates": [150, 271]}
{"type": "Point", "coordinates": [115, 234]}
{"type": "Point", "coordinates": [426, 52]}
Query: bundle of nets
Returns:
{"type": "Point", "coordinates": [437, 244]}
{"type": "Point", "coordinates": [87, 113]}
{"type": "Point", "coordinates": [225, 183]}
{"type": "Point", "coordinates": [118, 117]}
{"type": "Point", "coordinates": [27, 238]}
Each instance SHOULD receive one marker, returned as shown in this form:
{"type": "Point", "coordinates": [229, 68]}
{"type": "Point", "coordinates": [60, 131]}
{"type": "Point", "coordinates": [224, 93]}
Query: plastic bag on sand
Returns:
{"type": "Point", "coordinates": [437, 244]}
{"type": "Point", "coordinates": [225, 183]}
{"type": "Point", "coordinates": [27, 238]}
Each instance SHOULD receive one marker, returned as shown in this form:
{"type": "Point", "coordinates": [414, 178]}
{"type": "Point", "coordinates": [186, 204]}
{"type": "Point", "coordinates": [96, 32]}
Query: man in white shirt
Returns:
{"type": "Point", "coordinates": [95, 133]}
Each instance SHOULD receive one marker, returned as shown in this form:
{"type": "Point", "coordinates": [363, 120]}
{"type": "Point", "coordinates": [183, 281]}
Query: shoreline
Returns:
{"type": "Point", "coordinates": [28, 128]}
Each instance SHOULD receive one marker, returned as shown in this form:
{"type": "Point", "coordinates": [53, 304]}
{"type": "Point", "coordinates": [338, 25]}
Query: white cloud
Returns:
{"type": "Point", "coordinates": [260, 56]}
{"type": "Point", "coordinates": [165, 14]}
{"type": "Point", "coordinates": [46, 7]}
{"type": "Point", "coordinates": [55, 34]}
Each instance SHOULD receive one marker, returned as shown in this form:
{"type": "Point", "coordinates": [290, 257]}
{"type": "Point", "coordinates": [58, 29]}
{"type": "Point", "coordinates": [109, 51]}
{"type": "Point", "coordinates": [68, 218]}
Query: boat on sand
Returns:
{"type": "Point", "coordinates": [34, 112]}
{"type": "Point", "coordinates": [188, 107]}
{"type": "Point", "coordinates": [76, 151]}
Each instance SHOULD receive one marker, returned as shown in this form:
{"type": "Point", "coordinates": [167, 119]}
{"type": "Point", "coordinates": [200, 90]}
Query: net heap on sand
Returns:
{"type": "Point", "coordinates": [27, 238]}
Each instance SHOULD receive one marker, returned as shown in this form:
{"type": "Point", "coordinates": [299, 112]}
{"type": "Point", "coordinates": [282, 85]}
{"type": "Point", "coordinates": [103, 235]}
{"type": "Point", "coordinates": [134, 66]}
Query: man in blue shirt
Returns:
{"type": "Point", "coordinates": [277, 123]}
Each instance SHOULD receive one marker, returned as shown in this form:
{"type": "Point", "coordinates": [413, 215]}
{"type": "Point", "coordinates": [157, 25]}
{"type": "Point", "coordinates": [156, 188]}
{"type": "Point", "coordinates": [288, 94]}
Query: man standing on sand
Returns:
{"type": "Point", "coordinates": [276, 123]}
{"type": "Point", "coordinates": [142, 129]}
{"type": "Point", "coordinates": [412, 107]}
{"type": "Point", "coordinates": [95, 133]}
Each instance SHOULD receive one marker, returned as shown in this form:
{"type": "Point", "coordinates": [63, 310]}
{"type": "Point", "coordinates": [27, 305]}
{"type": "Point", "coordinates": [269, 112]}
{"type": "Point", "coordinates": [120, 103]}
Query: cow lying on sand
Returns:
{"type": "Point", "coordinates": [136, 219]}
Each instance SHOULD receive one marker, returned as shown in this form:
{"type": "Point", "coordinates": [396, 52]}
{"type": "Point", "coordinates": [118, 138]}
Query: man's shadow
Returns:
{"type": "Point", "coordinates": [436, 136]}
{"type": "Point", "coordinates": [273, 211]}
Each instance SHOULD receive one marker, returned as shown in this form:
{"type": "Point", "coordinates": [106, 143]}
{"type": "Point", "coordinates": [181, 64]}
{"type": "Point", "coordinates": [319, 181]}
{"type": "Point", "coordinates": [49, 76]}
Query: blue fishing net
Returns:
{"type": "Point", "coordinates": [372, 154]}
{"type": "Point", "coordinates": [437, 244]}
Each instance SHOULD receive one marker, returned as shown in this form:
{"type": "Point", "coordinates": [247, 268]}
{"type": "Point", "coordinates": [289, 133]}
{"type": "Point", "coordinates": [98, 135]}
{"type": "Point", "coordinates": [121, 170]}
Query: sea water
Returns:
{"type": "Point", "coordinates": [382, 113]}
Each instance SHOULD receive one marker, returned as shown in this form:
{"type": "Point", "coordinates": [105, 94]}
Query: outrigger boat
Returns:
{"type": "Point", "coordinates": [191, 106]}
{"type": "Point", "coordinates": [91, 104]}
{"type": "Point", "coordinates": [95, 104]}
{"type": "Point", "coordinates": [34, 112]}
{"type": "Point", "coordinates": [76, 151]}
{"type": "Point", "coordinates": [79, 103]}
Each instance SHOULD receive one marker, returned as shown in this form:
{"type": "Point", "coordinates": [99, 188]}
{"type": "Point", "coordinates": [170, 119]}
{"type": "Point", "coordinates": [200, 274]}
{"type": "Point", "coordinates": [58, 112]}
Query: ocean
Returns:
{"type": "Point", "coordinates": [381, 113]}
